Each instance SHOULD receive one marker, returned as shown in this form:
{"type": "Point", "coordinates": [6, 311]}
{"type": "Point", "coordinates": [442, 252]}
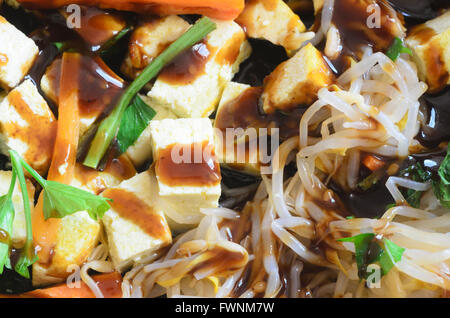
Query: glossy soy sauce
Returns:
{"type": "Point", "coordinates": [437, 128]}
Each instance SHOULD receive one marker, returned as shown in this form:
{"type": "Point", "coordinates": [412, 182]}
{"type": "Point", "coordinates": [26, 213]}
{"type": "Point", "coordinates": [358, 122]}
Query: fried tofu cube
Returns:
{"type": "Point", "coordinates": [17, 54]}
{"type": "Point", "coordinates": [77, 235]}
{"type": "Point", "coordinates": [149, 40]}
{"type": "Point", "coordinates": [141, 151]}
{"type": "Point", "coordinates": [192, 84]}
{"type": "Point", "coordinates": [19, 234]}
{"type": "Point", "coordinates": [274, 21]}
{"type": "Point", "coordinates": [224, 112]}
{"type": "Point", "coordinates": [135, 225]}
{"type": "Point", "coordinates": [99, 88]}
{"type": "Point", "coordinates": [116, 170]}
{"type": "Point", "coordinates": [28, 126]}
{"type": "Point", "coordinates": [186, 167]}
{"type": "Point", "coordinates": [296, 81]}
{"type": "Point", "coordinates": [430, 43]}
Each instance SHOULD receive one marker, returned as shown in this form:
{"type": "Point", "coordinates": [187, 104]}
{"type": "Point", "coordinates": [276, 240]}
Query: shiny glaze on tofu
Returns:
{"type": "Point", "coordinates": [192, 84]}
{"type": "Point", "coordinates": [274, 21]}
{"type": "Point", "coordinates": [100, 88]}
{"type": "Point", "coordinates": [22, 108]}
{"type": "Point", "coordinates": [149, 40]}
{"type": "Point", "coordinates": [430, 43]}
{"type": "Point", "coordinates": [186, 167]}
{"type": "Point", "coordinates": [296, 82]}
{"type": "Point", "coordinates": [135, 224]}
{"type": "Point", "coordinates": [17, 54]}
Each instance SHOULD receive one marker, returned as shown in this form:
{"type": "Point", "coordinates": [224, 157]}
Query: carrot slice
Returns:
{"type": "Point", "coordinates": [62, 167]}
{"type": "Point", "coordinates": [109, 284]}
{"type": "Point", "coordinates": [373, 163]}
{"type": "Point", "coordinates": [219, 9]}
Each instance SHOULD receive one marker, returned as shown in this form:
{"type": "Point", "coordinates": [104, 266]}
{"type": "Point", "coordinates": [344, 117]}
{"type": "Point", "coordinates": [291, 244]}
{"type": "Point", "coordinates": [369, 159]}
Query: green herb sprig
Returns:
{"type": "Point", "coordinates": [396, 49]}
{"type": "Point", "coordinates": [135, 120]}
{"type": "Point", "coordinates": [369, 250]}
{"type": "Point", "coordinates": [60, 200]}
{"type": "Point", "coordinates": [108, 128]}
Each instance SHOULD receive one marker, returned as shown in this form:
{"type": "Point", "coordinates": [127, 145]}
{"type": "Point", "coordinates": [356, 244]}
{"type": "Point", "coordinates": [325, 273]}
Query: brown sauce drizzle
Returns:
{"type": "Point", "coordinates": [221, 259]}
{"type": "Point", "coordinates": [40, 138]}
{"type": "Point", "coordinates": [98, 26]}
{"type": "Point", "coordinates": [188, 66]}
{"type": "Point", "coordinates": [230, 52]}
{"type": "Point", "coordinates": [120, 168]}
{"type": "Point", "coordinates": [130, 207]}
{"type": "Point", "coordinates": [422, 33]}
{"type": "Point", "coordinates": [204, 173]}
{"type": "Point", "coordinates": [350, 18]}
{"type": "Point", "coordinates": [100, 87]}
{"type": "Point", "coordinates": [244, 112]}
{"type": "Point", "coordinates": [437, 74]}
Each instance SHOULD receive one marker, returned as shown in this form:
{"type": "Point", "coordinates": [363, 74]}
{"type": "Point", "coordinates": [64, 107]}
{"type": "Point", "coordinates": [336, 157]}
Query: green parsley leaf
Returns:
{"type": "Point", "coordinates": [418, 174]}
{"type": "Point", "coordinates": [444, 169]}
{"type": "Point", "coordinates": [441, 186]}
{"type": "Point", "coordinates": [368, 251]}
{"type": "Point", "coordinates": [351, 217]}
{"type": "Point", "coordinates": [391, 254]}
{"type": "Point", "coordinates": [6, 227]}
{"type": "Point", "coordinates": [362, 246]}
{"type": "Point", "coordinates": [24, 262]}
{"type": "Point", "coordinates": [134, 121]}
{"type": "Point", "coordinates": [396, 49]}
{"type": "Point", "coordinates": [61, 200]}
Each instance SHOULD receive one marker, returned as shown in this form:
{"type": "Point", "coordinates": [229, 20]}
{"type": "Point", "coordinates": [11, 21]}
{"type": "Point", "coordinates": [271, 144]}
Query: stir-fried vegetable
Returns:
{"type": "Point", "coordinates": [396, 49]}
{"type": "Point", "coordinates": [370, 250]}
{"type": "Point", "coordinates": [441, 186]}
{"type": "Point", "coordinates": [108, 128]}
{"type": "Point", "coordinates": [27, 256]}
{"type": "Point", "coordinates": [135, 119]}
{"type": "Point", "coordinates": [59, 200]}
{"type": "Point", "coordinates": [219, 9]}
{"type": "Point", "coordinates": [6, 223]}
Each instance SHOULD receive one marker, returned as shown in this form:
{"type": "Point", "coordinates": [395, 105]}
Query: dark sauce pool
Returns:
{"type": "Point", "coordinates": [437, 128]}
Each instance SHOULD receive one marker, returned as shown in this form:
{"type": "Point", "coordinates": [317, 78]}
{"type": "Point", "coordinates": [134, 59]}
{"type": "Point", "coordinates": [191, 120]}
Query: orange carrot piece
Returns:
{"type": "Point", "coordinates": [62, 167]}
{"type": "Point", "coordinates": [109, 284]}
{"type": "Point", "coordinates": [373, 163]}
{"type": "Point", "coordinates": [219, 9]}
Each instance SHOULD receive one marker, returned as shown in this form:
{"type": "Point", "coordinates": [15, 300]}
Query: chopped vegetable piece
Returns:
{"type": "Point", "coordinates": [362, 245]}
{"type": "Point", "coordinates": [219, 9]}
{"type": "Point", "coordinates": [396, 49]}
{"type": "Point", "coordinates": [110, 125]}
{"type": "Point", "coordinates": [109, 284]}
{"type": "Point", "coordinates": [370, 250]}
{"type": "Point", "coordinates": [64, 156]}
{"type": "Point", "coordinates": [6, 223]}
{"type": "Point", "coordinates": [373, 163]}
{"type": "Point", "coordinates": [27, 255]}
{"type": "Point", "coordinates": [418, 174]}
{"type": "Point", "coordinates": [135, 119]}
{"type": "Point", "coordinates": [441, 186]}
{"type": "Point", "coordinates": [391, 254]}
